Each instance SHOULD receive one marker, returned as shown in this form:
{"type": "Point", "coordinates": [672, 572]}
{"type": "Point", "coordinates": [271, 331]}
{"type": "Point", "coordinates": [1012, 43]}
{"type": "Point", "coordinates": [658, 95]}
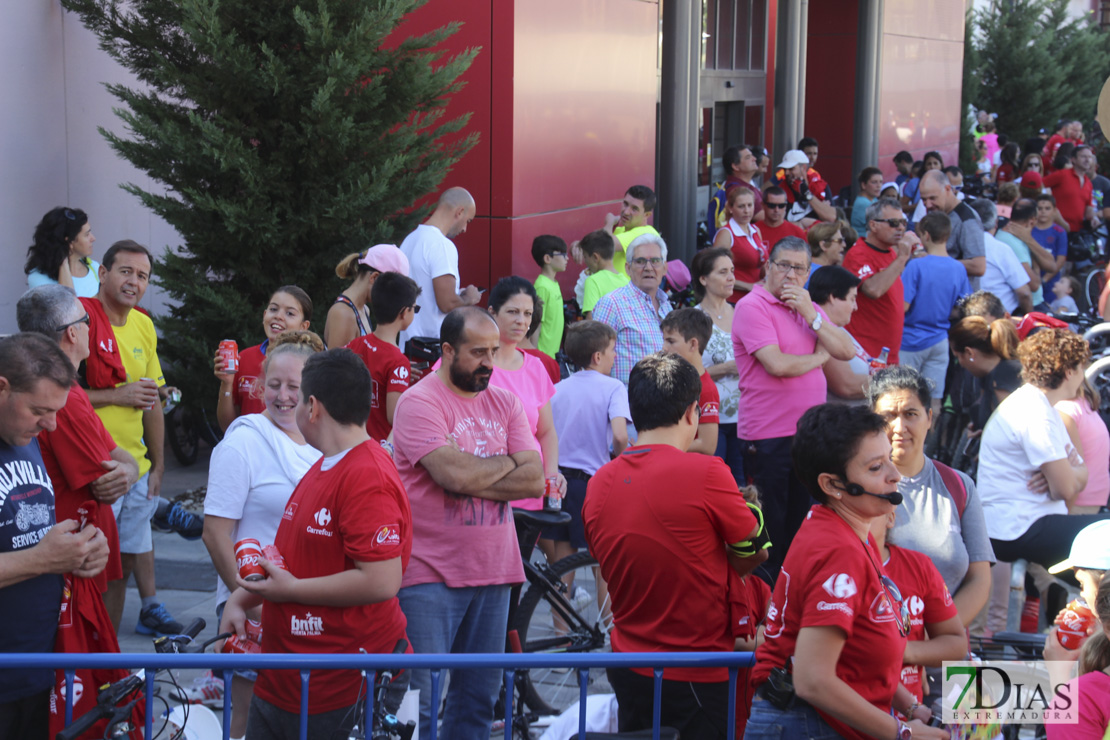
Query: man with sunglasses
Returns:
{"type": "Point", "coordinates": [965, 242]}
{"type": "Point", "coordinates": [88, 469]}
{"type": "Point", "coordinates": [775, 226]}
{"type": "Point", "coordinates": [878, 262]}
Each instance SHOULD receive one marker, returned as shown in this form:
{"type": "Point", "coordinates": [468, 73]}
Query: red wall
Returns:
{"type": "Point", "coordinates": [831, 86]}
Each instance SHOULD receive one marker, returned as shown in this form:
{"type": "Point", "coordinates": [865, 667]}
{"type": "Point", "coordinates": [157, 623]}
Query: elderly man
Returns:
{"type": "Point", "coordinates": [434, 263]}
{"type": "Point", "coordinates": [878, 261]}
{"type": "Point", "coordinates": [88, 469]}
{"type": "Point", "coordinates": [781, 340]}
{"type": "Point", "coordinates": [965, 243]}
{"type": "Point", "coordinates": [35, 381]}
{"type": "Point", "coordinates": [635, 310]}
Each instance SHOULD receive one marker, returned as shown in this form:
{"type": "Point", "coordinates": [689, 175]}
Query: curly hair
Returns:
{"type": "Point", "coordinates": [1047, 356]}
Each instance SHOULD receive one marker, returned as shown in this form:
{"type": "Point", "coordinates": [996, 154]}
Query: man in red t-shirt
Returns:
{"type": "Point", "coordinates": [1072, 188]}
{"type": "Point", "coordinates": [878, 262]}
{"type": "Point", "coordinates": [346, 537]}
{"type": "Point", "coordinates": [775, 226]}
{"type": "Point", "coordinates": [88, 469]}
{"type": "Point", "coordinates": [666, 558]}
{"type": "Point", "coordinates": [393, 299]}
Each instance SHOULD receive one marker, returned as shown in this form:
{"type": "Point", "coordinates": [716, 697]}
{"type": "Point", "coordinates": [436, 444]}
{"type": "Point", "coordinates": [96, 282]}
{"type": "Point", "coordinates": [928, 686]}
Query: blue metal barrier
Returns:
{"type": "Point", "coordinates": [508, 663]}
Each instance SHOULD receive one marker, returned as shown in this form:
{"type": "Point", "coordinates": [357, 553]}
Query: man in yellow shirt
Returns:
{"type": "Point", "coordinates": [132, 414]}
{"type": "Point", "coordinates": [631, 222]}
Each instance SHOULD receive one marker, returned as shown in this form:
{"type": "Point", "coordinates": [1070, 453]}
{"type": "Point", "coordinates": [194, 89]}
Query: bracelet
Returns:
{"type": "Point", "coordinates": [227, 394]}
{"type": "Point", "coordinates": [913, 708]}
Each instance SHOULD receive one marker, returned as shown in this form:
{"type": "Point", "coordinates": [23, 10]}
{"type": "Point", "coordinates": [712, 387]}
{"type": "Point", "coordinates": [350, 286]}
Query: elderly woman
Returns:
{"type": "Point", "coordinates": [834, 289]}
{"type": "Point", "coordinates": [1028, 469]}
{"type": "Point", "coordinates": [939, 503]}
{"type": "Point", "coordinates": [826, 244]}
{"type": "Point", "coordinates": [836, 628]}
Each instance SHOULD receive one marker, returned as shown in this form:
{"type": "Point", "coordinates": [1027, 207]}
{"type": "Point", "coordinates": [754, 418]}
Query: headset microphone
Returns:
{"type": "Point", "coordinates": [854, 489]}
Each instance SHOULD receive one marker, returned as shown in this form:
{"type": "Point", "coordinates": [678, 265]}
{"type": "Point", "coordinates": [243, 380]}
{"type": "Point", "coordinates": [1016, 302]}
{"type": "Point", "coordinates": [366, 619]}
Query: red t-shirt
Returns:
{"type": "Point", "coordinates": [747, 602]}
{"type": "Point", "coordinates": [549, 364]}
{"type": "Point", "coordinates": [82, 443]}
{"type": "Point", "coordinates": [832, 579]}
{"type": "Point", "coordinates": [389, 373]}
{"type": "Point", "coordinates": [247, 393]}
{"type": "Point", "coordinates": [877, 323]}
{"type": "Point", "coordinates": [663, 555]}
{"type": "Point", "coordinates": [748, 257]}
{"type": "Point", "coordinates": [1051, 148]}
{"type": "Point", "coordinates": [709, 402]}
{"type": "Point", "coordinates": [1072, 198]}
{"type": "Point", "coordinates": [1005, 173]}
{"type": "Point", "coordinates": [771, 236]}
{"type": "Point", "coordinates": [355, 511]}
{"type": "Point", "coordinates": [926, 595]}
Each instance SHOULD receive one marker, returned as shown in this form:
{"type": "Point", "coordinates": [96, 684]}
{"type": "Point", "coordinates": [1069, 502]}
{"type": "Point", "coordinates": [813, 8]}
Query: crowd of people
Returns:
{"type": "Point", "coordinates": [750, 470]}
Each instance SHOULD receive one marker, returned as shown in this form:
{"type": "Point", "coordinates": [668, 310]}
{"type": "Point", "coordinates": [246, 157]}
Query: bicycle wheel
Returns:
{"type": "Point", "coordinates": [561, 618]}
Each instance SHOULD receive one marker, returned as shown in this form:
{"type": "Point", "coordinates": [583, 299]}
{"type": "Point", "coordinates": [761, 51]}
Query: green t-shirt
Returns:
{"type": "Point", "coordinates": [625, 237]}
{"type": "Point", "coordinates": [599, 284]}
{"type": "Point", "coordinates": [551, 328]}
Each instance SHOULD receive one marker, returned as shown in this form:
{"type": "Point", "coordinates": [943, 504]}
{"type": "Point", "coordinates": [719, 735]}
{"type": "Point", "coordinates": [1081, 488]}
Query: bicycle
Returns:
{"type": "Point", "coordinates": [185, 428]}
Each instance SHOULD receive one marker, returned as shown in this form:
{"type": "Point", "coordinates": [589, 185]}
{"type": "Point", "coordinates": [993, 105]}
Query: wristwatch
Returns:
{"type": "Point", "coordinates": [904, 731]}
{"type": "Point", "coordinates": [816, 323]}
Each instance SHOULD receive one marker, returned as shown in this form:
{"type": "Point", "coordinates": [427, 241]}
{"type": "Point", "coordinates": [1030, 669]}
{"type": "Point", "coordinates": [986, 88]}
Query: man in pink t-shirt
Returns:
{"type": "Point", "coordinates": [781, 340]}
{"type": "Point", "coordinates": [464, 451]}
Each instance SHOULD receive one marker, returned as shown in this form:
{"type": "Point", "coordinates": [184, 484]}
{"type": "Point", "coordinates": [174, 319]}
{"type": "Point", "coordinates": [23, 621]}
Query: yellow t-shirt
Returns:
{"type": "Point", "coordinates": [138, 348]}
{"type": "Point", "coordinates": [625, 237]}
{"type": "Point", "coordinates": [600, 284]}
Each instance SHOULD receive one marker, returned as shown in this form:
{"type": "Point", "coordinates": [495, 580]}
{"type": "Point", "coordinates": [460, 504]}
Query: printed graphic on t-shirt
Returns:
{"type": "Point", "coordinates": [481, 438]}
{"type": "Point", "coordinates": [882, 610]}
{"type": "Point", "coordinates": [249, 387]}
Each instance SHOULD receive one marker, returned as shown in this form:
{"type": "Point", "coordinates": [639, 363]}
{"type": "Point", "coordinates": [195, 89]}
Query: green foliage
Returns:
{"type": "Point", "coordinates": [286, 134]}
{"type": "Point", "coordinates": [1032, 64]}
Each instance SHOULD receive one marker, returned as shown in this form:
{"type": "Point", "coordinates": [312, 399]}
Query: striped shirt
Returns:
{"type": "Point", "coordinates": [630, 312]}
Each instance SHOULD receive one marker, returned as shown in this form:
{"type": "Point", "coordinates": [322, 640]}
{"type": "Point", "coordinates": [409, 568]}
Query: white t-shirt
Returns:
{"type": "Point", "coordinates": [1004, 272]}
{"type": "Point", "coordinates": [250, 478]}
{"type": "Point", "coordinates": [431, 255]}
{"type": "Point", "coordinates": [1024, 433]}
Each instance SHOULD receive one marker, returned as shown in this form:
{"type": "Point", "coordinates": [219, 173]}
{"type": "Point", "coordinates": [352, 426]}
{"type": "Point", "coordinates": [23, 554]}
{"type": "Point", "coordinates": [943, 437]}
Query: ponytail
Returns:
{"type": "Point", "coordinates": [1003, 338]}
{"type": "Point", "coordinates": [347, 268]}
{"type": "Point", "coordinates": [996, 338]}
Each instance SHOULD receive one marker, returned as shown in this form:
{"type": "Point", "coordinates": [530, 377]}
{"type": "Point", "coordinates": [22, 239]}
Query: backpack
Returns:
{"type": "Point", "coordinates": [955, 485]}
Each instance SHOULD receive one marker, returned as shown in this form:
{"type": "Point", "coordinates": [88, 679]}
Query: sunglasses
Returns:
{"type": "Point", "coordinates": [83, 320]}
{"type": "Point", "coordinates": [776, 206]}
{"type": "Point", "coordinates": [415, 309]}
{"type": "Point", "coordinates": [895, 595]}
{"type": "Point", "coordinates": [894, 223]}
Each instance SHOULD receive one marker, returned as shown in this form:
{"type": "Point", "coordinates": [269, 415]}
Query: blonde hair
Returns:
{"type": "Point", "coordinates": [299, 342]}
{"type": "Point", "coordinates": [350, 268]}
{"type": "Point", "coordinates": [996, 338]}
{"type": "Point", "coordinates": [1095, 655]}
{"type": "Point", "coordinates": [751, 495]}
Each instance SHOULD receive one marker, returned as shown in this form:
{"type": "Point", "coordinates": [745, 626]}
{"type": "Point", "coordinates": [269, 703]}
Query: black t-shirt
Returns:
{"type": "Point", "coordinates": [29, 615]}
{"type": "Point", "coordinates": [1006, 376]}
{"type": "Point", "coordinates": [1101, 184]}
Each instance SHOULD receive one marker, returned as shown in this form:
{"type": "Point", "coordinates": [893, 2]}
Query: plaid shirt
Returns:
{"type": "Point", "coordinates": [629, 311]}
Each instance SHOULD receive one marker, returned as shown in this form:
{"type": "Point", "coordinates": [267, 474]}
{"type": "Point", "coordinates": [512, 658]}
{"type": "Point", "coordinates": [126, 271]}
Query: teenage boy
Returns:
{"type": "Point", "coordinates": [346, 537]}
{"type": "Point", "coordinates": [597, 250]}
{"type": "Point", "coordinates": [686, 332]}
{"type": "Point", "coordinates": [393, 299]}
{"type": "Point", "coordinates": [1052, 236]}
{"type": "Point", "coordinates": [550, 253]}
{"type": "Point", "coordinates": [591, 416]}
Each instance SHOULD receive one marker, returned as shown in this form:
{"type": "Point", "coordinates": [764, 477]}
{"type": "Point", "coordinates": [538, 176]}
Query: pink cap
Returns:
{"type": "Point", "coordinates": [386, 258]}
{"type": "Point", "coordinates": [678, 274]}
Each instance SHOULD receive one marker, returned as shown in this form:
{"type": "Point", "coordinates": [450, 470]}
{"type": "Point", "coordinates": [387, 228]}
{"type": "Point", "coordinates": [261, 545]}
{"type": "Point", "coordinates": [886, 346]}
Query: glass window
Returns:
{"type": "Point", "coordinates": [742, 35]}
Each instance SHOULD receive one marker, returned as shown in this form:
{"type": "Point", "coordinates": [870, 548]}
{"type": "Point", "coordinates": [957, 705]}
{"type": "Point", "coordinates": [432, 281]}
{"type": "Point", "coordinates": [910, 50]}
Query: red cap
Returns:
{"type": "Point", "coordinates": [1031, 179]}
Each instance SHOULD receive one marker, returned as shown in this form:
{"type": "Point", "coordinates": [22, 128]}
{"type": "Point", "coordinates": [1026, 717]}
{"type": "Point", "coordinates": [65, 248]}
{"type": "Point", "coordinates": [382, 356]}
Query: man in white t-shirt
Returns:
{"type": "Point", "coordinates": [1004, 277]}
{"type": "Point", "coordinates": [434, 263]}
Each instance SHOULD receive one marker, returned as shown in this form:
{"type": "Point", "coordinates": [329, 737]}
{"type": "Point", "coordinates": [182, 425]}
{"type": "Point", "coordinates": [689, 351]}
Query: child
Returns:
{"type": "Point", "coordinates": [393, 298]}
{"type": "Point", "coordinates": [597, 249]}
{"type": "Point", "coordinates": [550, 253]}
{"type": "Point", "coordinates": [1007, 195]}
{"type": "Point", "coordinates": [1053, 237]}
{"type": "Point", "coordinates": [590, 410]}
{"type": "Point", "coordinates": [686, 332]}
{"type": "Point", "coordinates": [1065, 290]}
{"type": "Point", "coordinates": [748, 597]}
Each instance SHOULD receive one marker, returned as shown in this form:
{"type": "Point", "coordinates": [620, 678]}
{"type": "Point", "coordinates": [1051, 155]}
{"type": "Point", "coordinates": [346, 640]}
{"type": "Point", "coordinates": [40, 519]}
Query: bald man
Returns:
{"type": "Point", "coordinates": [965, 242]}
{"type": "Point", "coordinates": [434, 263]}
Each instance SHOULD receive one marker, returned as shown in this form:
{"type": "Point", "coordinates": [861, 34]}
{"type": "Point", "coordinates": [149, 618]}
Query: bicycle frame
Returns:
{"type": "Point", "coordinates": [549, 584]}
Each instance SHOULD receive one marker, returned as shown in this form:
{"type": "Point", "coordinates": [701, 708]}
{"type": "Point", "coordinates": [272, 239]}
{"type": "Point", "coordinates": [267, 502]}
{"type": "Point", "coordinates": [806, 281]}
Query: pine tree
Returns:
{"type": "Point", "coordinates": [285, 134]}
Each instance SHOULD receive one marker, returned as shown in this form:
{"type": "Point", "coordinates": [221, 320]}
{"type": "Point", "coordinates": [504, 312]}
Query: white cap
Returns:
{"type": "Point", "coordinates": [1090, 549]}
{"type": "Point", "coordinates": [793, 158]}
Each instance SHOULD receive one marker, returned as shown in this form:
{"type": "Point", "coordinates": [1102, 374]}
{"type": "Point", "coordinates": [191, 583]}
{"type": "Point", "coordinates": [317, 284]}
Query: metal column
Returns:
{"type": "Point", "coordinates": [865, 139]}
{"type": "Point", "coordinates": [678, 133]}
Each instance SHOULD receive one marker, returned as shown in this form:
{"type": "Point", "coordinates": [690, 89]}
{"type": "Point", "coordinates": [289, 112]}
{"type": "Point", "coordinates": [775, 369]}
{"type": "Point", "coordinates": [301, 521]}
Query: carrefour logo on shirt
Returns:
{"type": "Point", "coordinates": [840, 586]}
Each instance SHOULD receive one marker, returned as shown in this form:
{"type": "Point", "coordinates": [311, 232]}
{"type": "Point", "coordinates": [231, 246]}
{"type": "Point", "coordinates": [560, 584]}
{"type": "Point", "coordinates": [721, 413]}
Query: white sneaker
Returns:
{"type": "Point", "coordinates": [207, 690]}
{"type": "Point", "coordinates": [581, 598]}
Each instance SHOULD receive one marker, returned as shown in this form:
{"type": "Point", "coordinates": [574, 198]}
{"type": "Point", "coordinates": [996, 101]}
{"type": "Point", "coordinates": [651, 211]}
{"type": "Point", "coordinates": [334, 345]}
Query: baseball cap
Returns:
{"type": "Point", "coordinates": [678, 274]}
{"type": "Point", "coordinates": [793, 158]}
{"type": "Point", "coordinates": [1031, 179]}
{"type": "Point", "coordinates": [1090, 549]}
{"type": "Point", "coordinates": [386, 258]}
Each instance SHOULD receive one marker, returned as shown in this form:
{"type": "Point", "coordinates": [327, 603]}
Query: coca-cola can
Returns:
{"type": "Point", "coordinates": [552, 498]}
{"type": "Point", "coordinates": [247, 553]}
{"type": "Point", "coordinates": [252, 643]}
{"type": "Point", "coordinates": [270, 552]}
{"type": "Point", "coordinates": [229, 353]}
{"type": "Point", "coordinates": [1076, 619]}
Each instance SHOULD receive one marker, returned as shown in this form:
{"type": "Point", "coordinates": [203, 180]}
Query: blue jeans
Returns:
{"type": "Point", "coordinates": [730, 450]}
{"type": "Point", "coordinates": [457, 620]}
{"type": "Point", "coordinates": [800, 722]}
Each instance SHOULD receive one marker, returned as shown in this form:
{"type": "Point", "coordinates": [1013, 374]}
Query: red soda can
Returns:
{"type": "Point", "coordinates": [1074, 622]}
{"type": "Point", "coordinates": [229, 353]}
{"type": "Point", "coordinates": [252, 643]}
{"type": "Point", "coordinates": [270, 552]}
{"type": "Point", "coordinates": [247, 553]}
{"type": "Point", "coordinates": [552, 499]}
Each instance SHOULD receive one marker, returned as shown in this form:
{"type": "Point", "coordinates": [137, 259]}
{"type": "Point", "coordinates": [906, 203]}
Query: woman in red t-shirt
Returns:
{"type": "Point", "coordinates": [741, 237]}
{"type": "Point", "coordinates": [289, 309]}
{"type": "Point", "coordinates": [836, 626]}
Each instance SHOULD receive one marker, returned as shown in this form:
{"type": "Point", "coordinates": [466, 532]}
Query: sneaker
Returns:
{"type": "Point", "coordinates": [155, 620]}
{"type": "Point", "coordinates": [207, 690]}
{"type": "Point", "coordinates": [581, 598]}
{"type": "Point", "coordinates": [176, 518]}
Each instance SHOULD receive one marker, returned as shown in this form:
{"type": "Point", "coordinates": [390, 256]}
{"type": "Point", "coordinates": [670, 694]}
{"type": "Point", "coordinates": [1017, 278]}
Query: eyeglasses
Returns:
{"type": "Point", "coordinates": [786, 267]}
{"type": "Point", "coordinates": [643, 261]}
{"type": "Point", "coordinates": [894, 223]}
{"type": "Point", "coordinates": [83, 320]}
{"type": "Point", "coordinates": [558, 254]}
{"type": "Point", "coordinates": [774, 205]}
{"type": "Point", "coordinates": [838, 240]}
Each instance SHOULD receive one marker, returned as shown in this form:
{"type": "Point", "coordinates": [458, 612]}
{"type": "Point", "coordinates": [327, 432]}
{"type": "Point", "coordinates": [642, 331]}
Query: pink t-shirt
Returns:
{"type": "Point", "coordinates": [770, 407]}
{"type": "Point", "coordinates": [458, 540]}
{"type": "Point", "coordinates": [1096, 451]}
{"type": "Point", "coordinates": [1094, 709]}
{"type": "Point", "coordinates": [531, 383]}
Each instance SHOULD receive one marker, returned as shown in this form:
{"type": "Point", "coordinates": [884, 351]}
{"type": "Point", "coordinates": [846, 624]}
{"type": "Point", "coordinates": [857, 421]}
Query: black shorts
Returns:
{"type": "Point", "coordinates": [574, 531]}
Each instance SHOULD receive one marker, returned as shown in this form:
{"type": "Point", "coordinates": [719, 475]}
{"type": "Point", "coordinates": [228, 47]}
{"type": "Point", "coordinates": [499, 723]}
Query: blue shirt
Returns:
{"type": "Point", "coordinates": [859, 214]}
{"type": "Point", "coordinates": [29, 619]}
{"type": "Point", "coordinates": [1055, 240]}
{"type": "Point", "coordinates": [931, 285]}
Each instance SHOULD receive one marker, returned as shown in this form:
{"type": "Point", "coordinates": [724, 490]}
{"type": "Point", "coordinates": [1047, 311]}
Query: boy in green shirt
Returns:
{"type": "Point", "coordinates": [550, 253]}
{"type": "Point", "coordinates": [597, 250]}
